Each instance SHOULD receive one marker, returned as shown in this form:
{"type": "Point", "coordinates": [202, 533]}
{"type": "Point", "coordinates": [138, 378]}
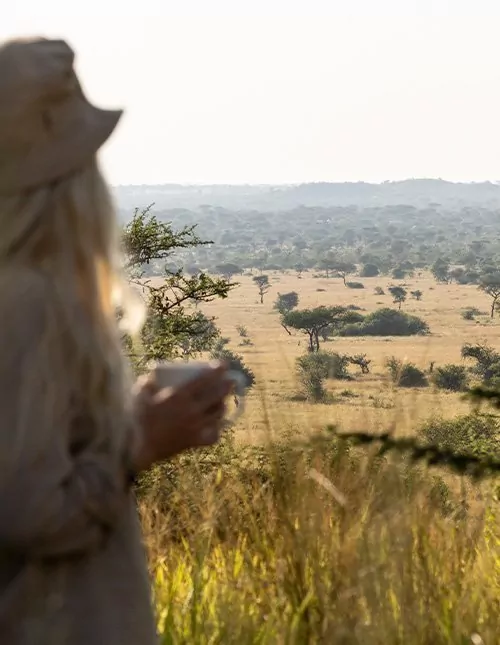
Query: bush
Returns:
{"type": "Point", "coordinates": [474, 434]}
{"type": "Point", "coordinates": [314, 368]}
{"type": "Point", "coordinates": [221, 352]}
{"type": "Point", "coordinates": [451, 377]}
{"type": "Point", "coordinates": [354, 285]}
{"type": "Point", "coordinates": [369, 270]}
{"type": "Point", "coordinates": [406, 374]}
{"type": "Point", "coordinates": [387, 322]}
{"type": "Point", "coordinates": [378, 291]}
{"type": "Point", "coordinates": [469, 313]}
{"type": "Point", "coordinates": [487, 362]}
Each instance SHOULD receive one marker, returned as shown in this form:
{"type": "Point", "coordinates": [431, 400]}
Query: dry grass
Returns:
{"type": "Point", "coordinates": [255, 550]}
{"type": "Point", "coordinates": [376, 405]}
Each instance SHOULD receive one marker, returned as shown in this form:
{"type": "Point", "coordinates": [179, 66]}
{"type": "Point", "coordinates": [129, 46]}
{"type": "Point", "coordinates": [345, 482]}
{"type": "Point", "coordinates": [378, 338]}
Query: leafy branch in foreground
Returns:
{"type": "Point", "coordinates": [477, 467]}
{"type": "Point", "coordinates": [174, 327]}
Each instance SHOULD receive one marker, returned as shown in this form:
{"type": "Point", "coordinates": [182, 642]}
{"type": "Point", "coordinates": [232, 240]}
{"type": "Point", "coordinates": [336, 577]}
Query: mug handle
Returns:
{"type": "Point", "coordinates": [240, 384]}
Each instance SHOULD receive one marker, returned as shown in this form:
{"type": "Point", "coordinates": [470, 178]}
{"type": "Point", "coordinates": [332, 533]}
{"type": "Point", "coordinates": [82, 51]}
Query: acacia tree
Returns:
{"type": "Point", "coordinates": [262, 282]}
{"type": "Point", "coordinates": [286, 302]}
{"type": "Point", "coordinates": [313, 321]}
{"type": "Point", "coordinates": [228, 270]}
{"type": "Point", "coordinates": [398, 295]}
{"type": "Point", "coordinates": [441, 270]}
{"type": "Point", "coordinates": [173, 327]}
{"type": "Point", "coordinates": [417, 295]}
{"type": "Point", "coordinates": [490, 284]}
{"type": "Point", "coordinates": [343, 269]}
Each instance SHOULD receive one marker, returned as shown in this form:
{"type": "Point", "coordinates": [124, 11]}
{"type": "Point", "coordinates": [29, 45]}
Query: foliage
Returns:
{"type": "Point", "coordinates": [313, 321]}
{"type": "Point", "coordinates": [285, 302]}
{"type": "Point", "coordinates": [378, 291]}
{"type": "Point", "coordinates": [361, 361]}
{"type": "Point", "coordinates": [221, 352]}
{"type": "Point", "coordinates": [172, 328]}
{"type": "Point", "coordinates": [469, 313]}
{"type": "Point", "coordinates": [405, 374]}
{"type": "Point", "coordinates": [398, 294]}
{"type": "Point", "coordinates": [228, 270]}
{"type": "Point", "coordinates": [451, 377]}
{"type": "Point", "coordinates": [263, 286]}
{"type": "Point", "coordinates": [417, 294]}
{"type": "Point", "coordinates": [441, 270]}
{"type": "Point", "coordinates": [314, 368]}
{"type": "Point", "coordinates": [331, 543]}
{"type": "Point", "coordinates": [473, 434]}
{"type": "Point", "coordinates": [369, 270]}
{"type": "Point", "coordinates": [386, 322]}
{"type": "Point", "coordinates": [490, 284]}
{"type": "Point", "coordinates": [487, 366]}
{"type": "Point", "coordinates": [354, 285]}
{"type": "Point", "coordinates": [290, 227]}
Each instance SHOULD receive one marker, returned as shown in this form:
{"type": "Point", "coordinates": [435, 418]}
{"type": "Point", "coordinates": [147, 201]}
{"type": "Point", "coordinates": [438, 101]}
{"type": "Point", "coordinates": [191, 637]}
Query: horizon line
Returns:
{"type": "Point", "coordinates": [494, 182]}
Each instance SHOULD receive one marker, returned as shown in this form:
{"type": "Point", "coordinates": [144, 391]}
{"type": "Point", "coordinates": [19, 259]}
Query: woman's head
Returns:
{"type": "Point", "coordinates": [57, 215]}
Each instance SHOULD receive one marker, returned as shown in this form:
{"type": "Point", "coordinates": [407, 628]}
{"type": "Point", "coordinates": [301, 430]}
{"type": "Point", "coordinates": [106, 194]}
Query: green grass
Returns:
{"type": "Point", "coordinates": [320, 542]}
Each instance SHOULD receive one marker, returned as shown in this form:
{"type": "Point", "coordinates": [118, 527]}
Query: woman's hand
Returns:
{"type": "Point", "coordinates": [174, 420]}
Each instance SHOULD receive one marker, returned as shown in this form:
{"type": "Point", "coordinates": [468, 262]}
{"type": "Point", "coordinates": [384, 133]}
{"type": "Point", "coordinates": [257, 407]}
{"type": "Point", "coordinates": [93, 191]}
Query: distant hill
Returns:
{"type": "Point", "coordinates": [414, 192]}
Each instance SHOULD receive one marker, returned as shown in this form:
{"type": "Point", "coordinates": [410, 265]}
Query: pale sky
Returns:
{"type": "Point", "coordinates": [276, 91]}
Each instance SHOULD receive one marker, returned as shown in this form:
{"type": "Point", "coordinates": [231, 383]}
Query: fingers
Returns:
{"type": "Point", "coordinates": [213, 372]}
{"type": "Point", "coordinates": [209, 433]}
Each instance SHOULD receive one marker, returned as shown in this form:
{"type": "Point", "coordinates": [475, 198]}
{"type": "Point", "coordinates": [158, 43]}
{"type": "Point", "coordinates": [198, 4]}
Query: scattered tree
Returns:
{"type": "Point", "coordinates": [286, 302]}
{"type": "Point", "coordinates": [441, 270]}
{"type": "Point", "coordinates": [172, 328]}
{"type": "Point", "coordinates": [369, 270]}
{"type": "Point", "coordinates": [343, 269]}
{"type": "Point", "coordinates": [490, 284]}
{"type": "Point", "coordinates": [313, 321]}
{"type": "Point", "coordinates": [228, 270]}
{"type": "Point", "coordinates": [262, 282]}
{"type": "Point", "coordinates": [398, 294]}
{"type": "Point", "coordinates": [417, 294]}
{"type": "Point", "coordinates": [361, 361]}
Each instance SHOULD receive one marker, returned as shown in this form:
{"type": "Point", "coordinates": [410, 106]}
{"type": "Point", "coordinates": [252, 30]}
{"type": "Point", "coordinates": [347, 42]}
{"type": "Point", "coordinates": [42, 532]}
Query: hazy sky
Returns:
{"type": "Point", "coordinates": [247, 91]}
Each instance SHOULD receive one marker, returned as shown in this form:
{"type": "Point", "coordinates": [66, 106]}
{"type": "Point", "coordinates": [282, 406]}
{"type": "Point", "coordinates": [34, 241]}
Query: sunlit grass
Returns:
{"type": "Point", "coordinates": [250, 548]}
{"type": "Point", "coordinates": [263, 552]}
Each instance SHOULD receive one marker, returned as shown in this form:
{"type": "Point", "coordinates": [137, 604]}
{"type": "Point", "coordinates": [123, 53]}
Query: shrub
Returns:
{"type": "Point", "coordinates": [314, 368]}
{"type": "Point", "coordinates": [369, 270]}
{"type": "Point", "coordinates": [487, 362]}
{"type": "Point", "coordinates": [354, 285]}
{"type": "Point", "coordinates": [221, 352]}
{"type": "Point", "coordinates": [451, 377]}
{"type": "Point", "coordinates": [387, 322]}
{"type": "Point", "coordinates": [378, 291]}
{"type": "Point", "coordinates": [405, 374]}
{"type": "Point", "coordinates": [474, 434]}
{"type": "Point", "coordinates": [469, 313]}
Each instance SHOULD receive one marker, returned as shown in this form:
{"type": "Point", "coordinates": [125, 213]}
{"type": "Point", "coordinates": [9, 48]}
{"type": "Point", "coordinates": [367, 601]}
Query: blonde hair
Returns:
{"type": "Point", "coordinates": [68, 232]}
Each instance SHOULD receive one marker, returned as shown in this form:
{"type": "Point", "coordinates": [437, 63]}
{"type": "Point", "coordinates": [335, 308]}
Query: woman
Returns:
{"type": "Point", "coordinates": [72, 568]}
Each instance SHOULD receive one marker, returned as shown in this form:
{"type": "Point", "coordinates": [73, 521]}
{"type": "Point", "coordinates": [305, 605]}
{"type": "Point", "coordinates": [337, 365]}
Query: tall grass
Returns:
{"type": "Point", "coordinates": [320, 542]}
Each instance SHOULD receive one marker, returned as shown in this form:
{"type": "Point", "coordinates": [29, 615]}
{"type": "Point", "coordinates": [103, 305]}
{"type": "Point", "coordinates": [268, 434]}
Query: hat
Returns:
{"type": "Point", "coordinates": [48, 129]}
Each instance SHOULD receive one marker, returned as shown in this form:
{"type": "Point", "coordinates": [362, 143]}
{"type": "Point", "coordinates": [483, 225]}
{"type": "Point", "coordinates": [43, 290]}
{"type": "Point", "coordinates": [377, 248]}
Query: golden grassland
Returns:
{"type": "Point", "coordinates": [377, 405]}
{"type": "Point", "coordinates": [325, 543]}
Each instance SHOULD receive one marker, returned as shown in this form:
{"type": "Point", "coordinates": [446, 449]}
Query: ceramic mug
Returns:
{"type": "Point", "coordinates": [176, 373]}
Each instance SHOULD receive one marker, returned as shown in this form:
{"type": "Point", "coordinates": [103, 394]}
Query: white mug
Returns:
{"type": "Point", "coordinates": [176, 373]}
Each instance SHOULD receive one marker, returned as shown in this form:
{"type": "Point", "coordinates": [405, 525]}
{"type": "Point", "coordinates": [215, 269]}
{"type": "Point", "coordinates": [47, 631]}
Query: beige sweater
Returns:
{"type": "Point", "coordinates": [72, 566]}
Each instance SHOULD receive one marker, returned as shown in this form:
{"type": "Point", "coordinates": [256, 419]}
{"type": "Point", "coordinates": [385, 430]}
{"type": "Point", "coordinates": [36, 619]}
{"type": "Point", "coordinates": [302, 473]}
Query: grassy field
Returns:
{"type": "Point", "coordinates": [377, 405]}
{"type": "Point", "coordinates": [270, 539]}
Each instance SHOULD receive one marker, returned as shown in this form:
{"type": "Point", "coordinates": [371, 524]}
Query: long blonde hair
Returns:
{"type": "Point", "coordinates": [68, 232]}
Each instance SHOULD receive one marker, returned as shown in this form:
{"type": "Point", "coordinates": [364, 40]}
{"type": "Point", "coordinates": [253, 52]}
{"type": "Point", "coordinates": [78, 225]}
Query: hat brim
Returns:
{"type": "Point", "coordinates": [66, 150]}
